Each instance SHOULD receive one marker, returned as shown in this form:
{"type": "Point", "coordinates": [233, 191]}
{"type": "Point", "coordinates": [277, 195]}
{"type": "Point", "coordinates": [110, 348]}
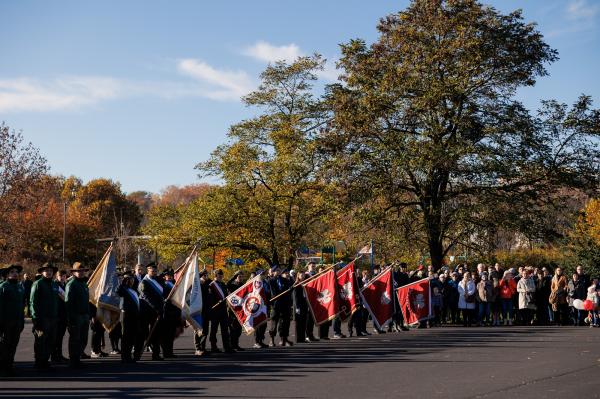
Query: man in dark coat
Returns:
{"type": "Point", "coordinates": [300, 309]}
{"type": "Point", "coordinates": [281, 308]}
{"type": "Point", "coordinates": [260, 332]}
{"type": "Point", "coordinates": [152, 305]}
{"type": "Point", "coordinates": [200, 339]}
{"type": "Point", "coordinates": [218, 315]}
{"type": "Point", "coordinates": [78, 313]}
{"type": "Point", "coordinates": [235, 328]}
{"type": "Point", "coordinates": [130, 320]}
{"type": "Point", "coordinates": [27, 283]}
{"type": "Point", "coordinates": [12, 317]}
{"type": "Point", "coordinates": [44, 315]}
{"type": "Point", "coordinates": [172, 319]}
{"type": "Point", "coordinates": [61, 325]}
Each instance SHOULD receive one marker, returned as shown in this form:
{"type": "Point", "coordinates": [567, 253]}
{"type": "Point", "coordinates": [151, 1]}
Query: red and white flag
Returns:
{"type": "Point", "coordinates": [249, 304]}
{"type": "Point", "coordinates": [322, 298]}
{"type": "Point", "coordinates": [377, 298]}
{"type": "Point", "coordinates": [415, 301]}
{"type": "Point", "coordinates": [348, 293]}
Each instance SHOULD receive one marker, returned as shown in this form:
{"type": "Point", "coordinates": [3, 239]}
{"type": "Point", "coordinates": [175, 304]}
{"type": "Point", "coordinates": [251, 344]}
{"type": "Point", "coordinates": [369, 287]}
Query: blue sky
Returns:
{"type": "Point", "coordinates": [141, 91]}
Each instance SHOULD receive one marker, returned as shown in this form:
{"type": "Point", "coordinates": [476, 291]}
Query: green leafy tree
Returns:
{"type": "Point", "coordinates": [426, 119]}
{"type": "Point", "coordinates": [271, 199]}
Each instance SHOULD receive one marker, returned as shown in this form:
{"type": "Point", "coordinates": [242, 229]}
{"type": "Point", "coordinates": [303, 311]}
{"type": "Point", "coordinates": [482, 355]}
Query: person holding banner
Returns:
{"type": "Point", "coordinates": [200, 338]}
{"type": "Point", "coordinates": [78, 313]}
{"type": "Point", "coordinates": [131, 339]}
{"type": "Point", "coordinates": [172, 316]}
{"type": "Point", "coordinates": [152, 310]}
{"type": "Point", "coordinates": [300, 309]}
{"type": "Point", "coordinates": [235, 282]}
{"type": "Point", "coordinates": [281, 288]}
{"type": "Point", "coordinates": [219, 318]}
{"type": "Point", "coordinates": [259, 334]}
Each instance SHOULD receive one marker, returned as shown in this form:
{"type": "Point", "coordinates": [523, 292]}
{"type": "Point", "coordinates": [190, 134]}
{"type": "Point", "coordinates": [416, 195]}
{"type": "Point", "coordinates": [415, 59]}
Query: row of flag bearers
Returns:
{"type": "Point", "coordinates": [147, 310]}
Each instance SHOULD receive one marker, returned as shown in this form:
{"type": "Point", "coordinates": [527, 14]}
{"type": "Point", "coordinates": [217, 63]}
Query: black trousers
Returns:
{"type": "Point", "coordinates": [78, 337]}
{"type": "Point", "coordinates": [61, 329]}
{"type": "Point", "coordinates": [324, 329]}
{"type": "Point", "coordinates": [97, 336]}
{"type": "Point", "coordinates": [44, 343]}
{"type": "Point", "coordinates": [301, 319]}
{"type": "Point", "coordinates": [115, 336]}
{"type": "Point", "coordinates": [10, 332]}
{"type": "Point", "coordinates": [310, 325]}
{"type": "Point", "coordinates": [235, 331]}
{"type": "Point", "coordinates": [200, 339]}
{"type": "Point", "coordinates": [280, 322]}
{"type": "Point", "coordinates": [131, 339]}
{"type": "Point", "coordinates": [223, 324]}
{"type": "Point", "coordinates": [259, 334]}
{"type": "Point", "coordinates": [148, 319]}
{"type": "Point", "coordinates": [354, 322]}
{"type": "Point", "coordinates": [337, 325]}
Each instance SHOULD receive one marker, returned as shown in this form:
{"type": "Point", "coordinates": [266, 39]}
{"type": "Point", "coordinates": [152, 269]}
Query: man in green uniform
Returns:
{"type": "Point", "coordinates": [12, 304]}
{"type": "Point", "coordinates": [78, 313]}
{"type": "Point", "coordinates": [44, 315]}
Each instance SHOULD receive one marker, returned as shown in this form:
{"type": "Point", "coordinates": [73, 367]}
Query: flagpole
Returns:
{"type": "Point", "coordinates": [186, 263]}
{"type": "Point", "coordinates": [372, 257]}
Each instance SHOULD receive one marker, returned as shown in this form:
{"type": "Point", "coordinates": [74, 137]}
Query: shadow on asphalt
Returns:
{"type": "Point", "coordinates": [180, 377]}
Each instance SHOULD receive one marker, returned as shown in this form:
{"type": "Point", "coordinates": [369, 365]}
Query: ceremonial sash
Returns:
{"type": "Point", "coordinates": [155, 284]}
{"type": "Point", "coordinates": [219, 290]}
{"type": "Point", "coordinates": [134, 297]}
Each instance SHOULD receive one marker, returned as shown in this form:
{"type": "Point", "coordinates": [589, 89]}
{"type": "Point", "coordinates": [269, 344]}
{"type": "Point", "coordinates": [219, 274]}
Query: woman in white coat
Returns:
{"type": "Point", "coordinates": [526, 290]}
{"type": "Point", "coordinates": [466, 299]}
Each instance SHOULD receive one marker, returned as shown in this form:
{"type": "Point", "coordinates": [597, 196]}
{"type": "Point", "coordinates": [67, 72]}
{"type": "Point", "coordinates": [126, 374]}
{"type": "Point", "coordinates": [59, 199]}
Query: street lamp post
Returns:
{"type": "Point", "coordinates": [64, 229]}
{"type": "Point", "coordinates": [65, 203]}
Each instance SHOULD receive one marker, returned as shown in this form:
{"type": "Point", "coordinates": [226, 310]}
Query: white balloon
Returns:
{"type": "Point", "coordinates": [578, 304]}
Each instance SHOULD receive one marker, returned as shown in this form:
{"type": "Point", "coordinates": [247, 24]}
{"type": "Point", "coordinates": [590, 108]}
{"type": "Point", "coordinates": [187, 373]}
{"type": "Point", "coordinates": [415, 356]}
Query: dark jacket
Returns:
{"type": "Point", "coordinates": [280, 285]}
{"type": "Point", "coordinates": [77, 296]}
{"type": "Point", "coordinates": [128, 304]}
{"type": "Point", "coordinates": [207, 303]}
{"type": "Point", "coordinates": [300, 304]}
{"type": "Point", "coordinates": [44, 299]}
{"type": "Point", "coordinates": [12, 302]}
{"type": "Point", "coordinates": [151, 296]}
{"type": "Point", "coordinates": [220, 311]}
{"type": "Point", "coordinates": [577, 290]}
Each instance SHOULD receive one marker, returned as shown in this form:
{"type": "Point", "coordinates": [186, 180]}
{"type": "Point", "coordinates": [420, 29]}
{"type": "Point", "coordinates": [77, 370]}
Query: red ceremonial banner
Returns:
{"type": "Point", "coordinates": [415, 301]}
{"type": "Point", "coordinates": [321, 296]}
{"type": "Point", "coordinates": [346, 284]}
{"type": "Point", "coordinates": [249, 304]}
{"type": "Point", "coordinates": [377, 298]}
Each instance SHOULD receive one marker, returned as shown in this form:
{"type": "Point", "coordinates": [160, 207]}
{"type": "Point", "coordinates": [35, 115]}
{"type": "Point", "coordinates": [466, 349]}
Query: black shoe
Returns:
{"type": "Point", "coordinates": [404, 328]}
{"type": "Point", "coordinates": [237, 348]}
{"type": "Point", "coordinates": [324, 338]}
{"type": "Point", "coordinates": [360, 334]}
{"type": "Point", "coordinates": [157, 357]}
{"type": "Point", "coordinates": [169, 356]}
{"type": "Point", "coordinates": [263, 345]}
{"type": "Point", "coordinates": [215, 350]}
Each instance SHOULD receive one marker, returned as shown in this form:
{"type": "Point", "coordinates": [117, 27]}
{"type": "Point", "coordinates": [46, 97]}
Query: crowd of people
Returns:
{"type": "Point", "coordinates": [57, 301]}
